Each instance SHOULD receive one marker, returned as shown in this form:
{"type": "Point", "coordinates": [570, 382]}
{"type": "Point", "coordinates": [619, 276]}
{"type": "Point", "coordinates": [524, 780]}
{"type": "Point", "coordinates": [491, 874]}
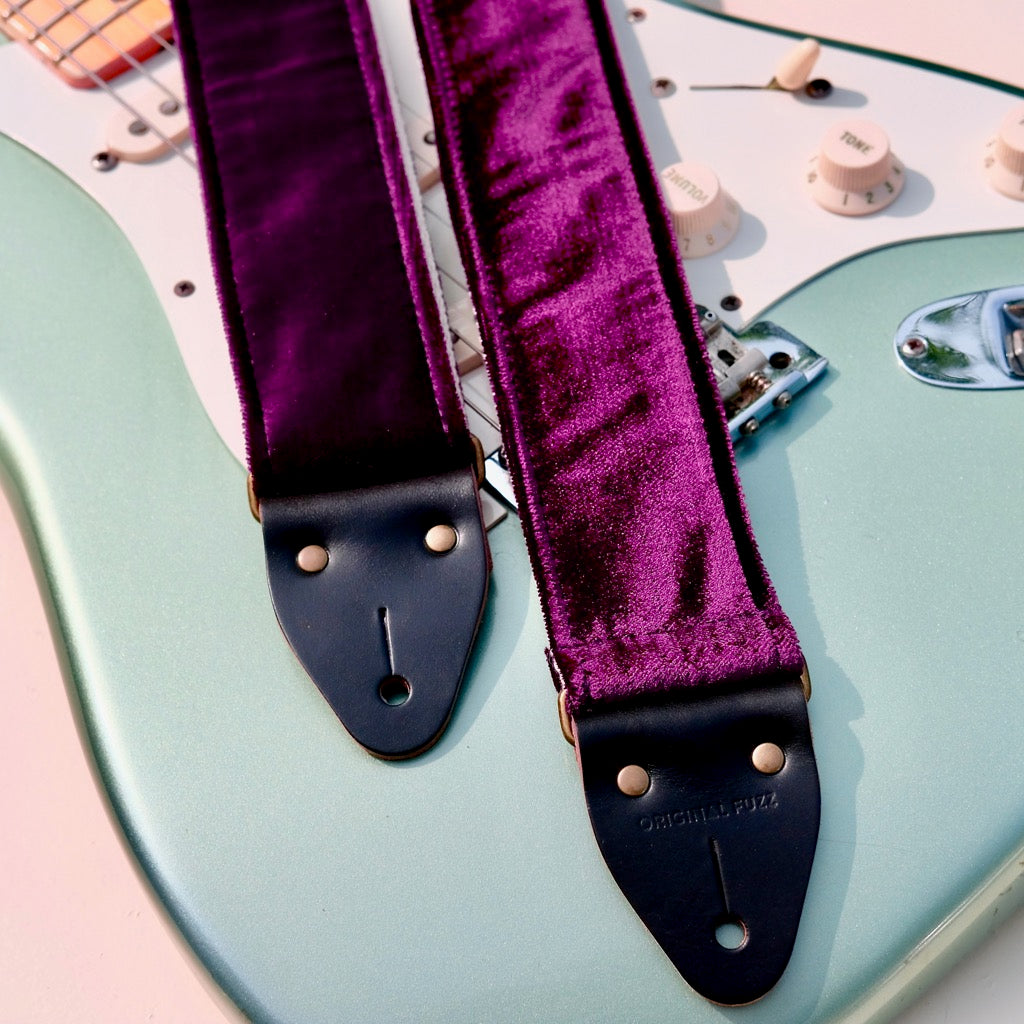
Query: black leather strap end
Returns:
{"type": "Point", "coordinates": [386, 626]}
{"type": "Point", "coordinates": [715, 854]}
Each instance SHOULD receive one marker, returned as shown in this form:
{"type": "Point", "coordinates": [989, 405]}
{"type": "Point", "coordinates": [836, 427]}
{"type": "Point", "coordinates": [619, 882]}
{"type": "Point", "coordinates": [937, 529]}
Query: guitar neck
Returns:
{"type": "Point", "coordinates": [87, 42]}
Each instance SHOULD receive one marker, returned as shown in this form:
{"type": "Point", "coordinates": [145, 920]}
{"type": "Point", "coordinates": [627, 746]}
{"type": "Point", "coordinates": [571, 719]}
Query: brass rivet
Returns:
{"type": "Point", "coordinates": [254, 502]}
{"type": "Point", "coordinates": [441, 539]}
{"type": "Point", "coordinates": [768, 758]}
{"type": "Point", "coordinates": [633, 780]}
{"type": "Point", "coordinates": [480, 464]}
{"type": "Point", "coordinates": [563, 718]}
{"type": "Point", "coordinates": [805, 682]}
{"type": "Point", "coordinates": [312, 558]}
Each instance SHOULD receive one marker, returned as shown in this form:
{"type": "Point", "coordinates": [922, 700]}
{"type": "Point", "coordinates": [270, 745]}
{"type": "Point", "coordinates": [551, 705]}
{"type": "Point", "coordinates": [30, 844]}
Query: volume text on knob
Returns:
{"type": "Point", "coordinates": [705, 216]}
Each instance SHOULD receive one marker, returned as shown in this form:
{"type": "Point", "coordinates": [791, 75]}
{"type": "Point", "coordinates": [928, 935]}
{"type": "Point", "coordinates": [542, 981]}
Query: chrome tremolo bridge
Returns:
{"type": "Point", "coordinates": [759, 370]}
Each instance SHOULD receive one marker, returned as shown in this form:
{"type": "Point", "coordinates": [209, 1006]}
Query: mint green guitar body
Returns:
{"type": "Point", "coordinates": [321, 885]}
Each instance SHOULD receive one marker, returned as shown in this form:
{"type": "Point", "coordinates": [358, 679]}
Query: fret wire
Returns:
{"type": "Point", "coordinates": [13, 8]}
{"type": "Point", "coordinates": [155, 37]}
{"type": "Point", "coordinates": [130, 60]}
{"type": "Point", "coordinates": [16, 7]}
{"type": "Point", "coordinates": [94, 27]}
{"type": "Point", "coordinates": [101, 84]}
{"type": "Point", "coordinates": [44, 29]}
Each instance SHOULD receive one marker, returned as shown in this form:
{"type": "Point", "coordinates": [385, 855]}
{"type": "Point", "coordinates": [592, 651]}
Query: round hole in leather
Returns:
{"type": "Point", "coordinates": [731, 933]}
{"type": "Point", "coordinates": [394, 690]}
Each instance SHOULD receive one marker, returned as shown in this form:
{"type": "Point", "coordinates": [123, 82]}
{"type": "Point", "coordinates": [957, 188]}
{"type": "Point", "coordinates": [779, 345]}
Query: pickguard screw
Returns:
{"type": "Point", "coordinates": [731, 303]}
{"type": "Point", "coordinates": [183, 289]}
{"type": "Point", "coordinates": [104, 161]}
{"type": "Point", "coordinates": [914, 347]}
{"type": "Point", "coordinates": [663, 87]}
{"type": "Point", "coordinates": [635, 14]}
{"type": "Point", "coordinates": [430, 137]}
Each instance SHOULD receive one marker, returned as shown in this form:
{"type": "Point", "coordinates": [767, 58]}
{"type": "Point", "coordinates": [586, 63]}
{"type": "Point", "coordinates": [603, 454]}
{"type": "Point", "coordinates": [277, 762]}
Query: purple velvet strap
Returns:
{"type": "Point", "coordinates": [649, 576]}
{"type": "Point", "coordinates": [341, 361]}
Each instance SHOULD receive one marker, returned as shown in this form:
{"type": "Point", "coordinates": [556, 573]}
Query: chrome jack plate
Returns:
{"type": "Point", "coordinates": [971, 341]}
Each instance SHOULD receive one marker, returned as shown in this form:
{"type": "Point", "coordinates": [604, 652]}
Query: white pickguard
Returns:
{"type": "Point", "coordinates": [758, 142]}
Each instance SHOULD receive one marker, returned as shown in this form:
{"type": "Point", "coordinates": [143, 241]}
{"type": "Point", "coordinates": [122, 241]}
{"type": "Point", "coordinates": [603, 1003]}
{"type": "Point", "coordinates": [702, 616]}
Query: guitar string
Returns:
{"type": "Point", "coordinates": [62, 13]}
{"type": "Point", "coordinates": [65, 9]}
{"type": "Point", "coordinates": [154, 37]}
{"type": "Point", "coordinates": [163, 43]}
{"type": "Point", "coordinates": [97, 32]}
{"type": "Point", "coordinates": [18, 7]}
{"type": "Point", "coordinates": [126, 11]}
{"type": "Point", "coordinates": [95, 29]}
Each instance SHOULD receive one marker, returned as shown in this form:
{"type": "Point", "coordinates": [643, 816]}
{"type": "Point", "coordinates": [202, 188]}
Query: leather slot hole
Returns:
{"type": "Point", "coordinates": [394, 690]}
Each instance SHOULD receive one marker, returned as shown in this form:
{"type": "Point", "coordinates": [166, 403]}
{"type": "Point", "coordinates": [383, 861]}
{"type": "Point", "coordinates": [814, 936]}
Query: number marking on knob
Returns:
{"type": "Point", "coordinates": [854, 171]}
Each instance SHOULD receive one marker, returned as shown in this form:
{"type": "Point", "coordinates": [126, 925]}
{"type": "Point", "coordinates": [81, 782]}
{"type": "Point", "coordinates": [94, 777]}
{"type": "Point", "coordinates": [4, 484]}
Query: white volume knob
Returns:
{"type": "Point", "coordinates": [1004, 158]}
{"type": "Point", "coordinates": [705, 216]}
{"type": "Point", "coordinates": [855, 171]}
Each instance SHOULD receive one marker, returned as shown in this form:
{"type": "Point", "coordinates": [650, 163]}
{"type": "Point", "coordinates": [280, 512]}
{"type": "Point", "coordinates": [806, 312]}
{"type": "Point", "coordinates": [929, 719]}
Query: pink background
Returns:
{"type": "Point", "coordinates": [81, 937]}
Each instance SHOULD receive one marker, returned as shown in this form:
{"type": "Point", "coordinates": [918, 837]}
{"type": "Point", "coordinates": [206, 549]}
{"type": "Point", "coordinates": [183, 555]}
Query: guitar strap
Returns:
{"type": "Point", "coordinates": [678, 673]}
{"type": "Point", "coordinates": [363, 472]}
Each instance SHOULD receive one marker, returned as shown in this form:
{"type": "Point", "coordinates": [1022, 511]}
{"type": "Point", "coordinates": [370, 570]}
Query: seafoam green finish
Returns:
{"type": "Point", "coordinates": [320, 885]}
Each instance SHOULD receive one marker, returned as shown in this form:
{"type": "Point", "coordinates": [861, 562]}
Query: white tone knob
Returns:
{"type": "Point", "coordinates": [705, 216]}
{"type": "Point", "coordinates": [795, 67]}
{"type": "Point", "coordinates": [855, 171]}
{"type": "Point", "coordinates": [1004, 155]}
